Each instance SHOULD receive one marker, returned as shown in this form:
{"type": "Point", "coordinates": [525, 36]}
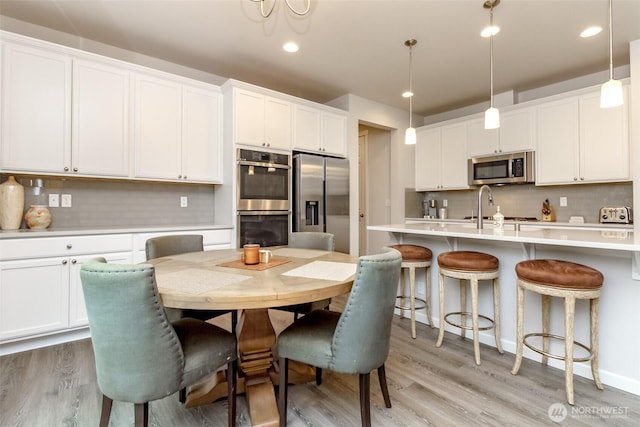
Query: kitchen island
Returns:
{"type": "Point", "coordinates": [614, 252]}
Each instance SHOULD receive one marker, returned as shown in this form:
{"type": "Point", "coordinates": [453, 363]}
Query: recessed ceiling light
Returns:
{"type": "Point", "coordinates": [290, 47]}
{"type": "Point", "coordinates": [490, 31]}
{"type": "Point", "coordinates": [407, 94]}
{"type": "Point", "coordinates": [591, 31]}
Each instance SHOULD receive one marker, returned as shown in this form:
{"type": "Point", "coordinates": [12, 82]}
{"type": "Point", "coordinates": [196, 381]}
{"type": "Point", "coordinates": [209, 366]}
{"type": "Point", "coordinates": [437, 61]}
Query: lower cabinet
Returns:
{"type": "Point", "coordinates": [40, 288]}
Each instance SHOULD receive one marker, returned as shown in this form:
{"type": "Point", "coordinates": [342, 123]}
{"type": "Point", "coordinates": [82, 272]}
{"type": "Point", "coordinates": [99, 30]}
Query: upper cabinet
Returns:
{"type": "Point", "coordinates": [63, 115]}
{"type": "Point", "coordinates": [441, 158]}
{"type": "Point", "coordinates": [516, 133]}
{"type": "Point", "coordinates": [579, 142]}
{"type": "Point", "coordinates": [260, 120]}
{"type": "Point", "coordinates": [317, 130]}
{"type": "Point", "coordinates": [177, 131]}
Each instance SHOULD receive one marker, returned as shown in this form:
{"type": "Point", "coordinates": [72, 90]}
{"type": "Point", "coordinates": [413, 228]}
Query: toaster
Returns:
{"type": "Point", "coordinates": [615, 215]}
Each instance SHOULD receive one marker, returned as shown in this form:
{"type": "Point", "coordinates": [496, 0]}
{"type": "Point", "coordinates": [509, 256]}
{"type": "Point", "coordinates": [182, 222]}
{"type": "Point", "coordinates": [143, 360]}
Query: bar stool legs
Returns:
{"type": "Point", "coordinates": [423, 303]}
{"type": "Point", "coordinates": [569, 295]}
{"type": "Point", "coordinates": [473, 277]}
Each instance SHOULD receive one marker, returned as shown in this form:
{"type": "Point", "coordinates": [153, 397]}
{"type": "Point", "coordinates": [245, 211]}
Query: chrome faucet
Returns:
{"type": "Point", "coordinates": [479, 221]}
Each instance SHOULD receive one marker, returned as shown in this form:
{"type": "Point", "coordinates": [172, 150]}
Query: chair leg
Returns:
{"type": "Point", "coordinates": [412, 301]}
{"type": "Point", "coordinates": [496, 314]}
{"type": "Point", "coordinates": [546, 321]}
{"type": "Point", "coordinates": [569, 315]}
{"type": "Point", "coordinates": [141, 414]}
{"type": "Point", "coordinates": [182, 396]}
{"type": "Point", "coordinates": [365, 410]}
{"type": "Point", "coordinates": [428, 295]}
{"type": "Point", "coordinates": [441, 308]}
{"type": "Point", "coordinates": [234, 321]}
{"type": "Point", "coordinates": [107, 403]}
{"type": "Point", "coordinates": [593, 305]}
{"type": "Point", "coordinates": [463, 306]}
{"type": "Point", "coordinates": [382, 377]}
{"type": "Point", "coordinates": [474, 318]}
{"type": "Point", "coordinates": [318, 376]}
{"type": "Point", "coordinates": [520, 329]}
{"type": "Point", "coordinates": [232, 377]}
{"type": "Point", "coordinates": [282, 399]}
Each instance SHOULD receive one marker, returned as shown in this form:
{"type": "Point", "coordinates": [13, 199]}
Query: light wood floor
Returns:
{"type": "Point", "coordinates": [56, 386]}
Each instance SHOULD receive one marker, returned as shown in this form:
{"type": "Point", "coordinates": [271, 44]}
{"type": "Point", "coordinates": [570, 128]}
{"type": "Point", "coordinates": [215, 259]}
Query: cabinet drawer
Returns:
{"type": "Point", "coordinates": [63, 246]}
{"type": "Point", "coordinates": [210, 237]}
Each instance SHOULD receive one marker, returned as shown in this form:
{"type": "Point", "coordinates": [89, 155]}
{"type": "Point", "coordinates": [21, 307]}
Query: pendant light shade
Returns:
{"type": "Point", "coordinates": [410, 133]}
{"type": "Point", "coordinates": [611, 92]}
{"type": "Point", "coordinates": [492, 115]}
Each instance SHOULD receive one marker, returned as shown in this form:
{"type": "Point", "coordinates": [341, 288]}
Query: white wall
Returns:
{"type": "Point", "coordinates": [364, 111]}
{"type": "Point", "coordinates": [634, 132]}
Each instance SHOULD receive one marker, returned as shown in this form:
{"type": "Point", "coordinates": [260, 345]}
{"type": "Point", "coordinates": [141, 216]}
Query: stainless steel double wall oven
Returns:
{"type": "Point", "coordinates": [263, 186]}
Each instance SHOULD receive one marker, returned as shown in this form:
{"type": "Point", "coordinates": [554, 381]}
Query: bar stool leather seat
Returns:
{"type": "Point", "coordinates": [414, 256]}
{"type": "Point", "coordinates": [470, 266]}
{"type": "Point", "coordinates": [570, 281]}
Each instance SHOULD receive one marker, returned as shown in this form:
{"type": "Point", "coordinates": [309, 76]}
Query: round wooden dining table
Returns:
{"type": "Point", "coordinates": [219, 280]}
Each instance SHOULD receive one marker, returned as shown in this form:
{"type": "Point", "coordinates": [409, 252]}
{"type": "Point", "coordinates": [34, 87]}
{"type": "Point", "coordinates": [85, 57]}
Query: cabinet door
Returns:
{"type": "Point", "coordinates": [604, 140]}
{"type": "Point", "coordinates": [481, 141]}
{"type": "Point", "coordinates": [100, 120]}
{"type": "Point", "coordinates": [36, 110]}
{"type": "Point", "coordinates": [428, 159]}
{"type": "Point", "coordinates": [77, 308]}
{"type": "Point", "coordinates": [517, 130]}
{"type": "Point", "coordinates": [277, 124]}
{"type": "Point", "coordinates": [557, 159]}
{"type": "Point", "coordinates": [454, 157]}
{"type": "Point", "coordinates": [334, 134]}
{"type": "Point", "coordinates": [201, 135]}
{"type": "Point", "coordinates": [306, 129]}
{"type": "Point", "coordinates": [157, 128]}
{"type": "Point", "coordinates": [34, 296]}
{"type": "Point", "coordinates": [249, 117]}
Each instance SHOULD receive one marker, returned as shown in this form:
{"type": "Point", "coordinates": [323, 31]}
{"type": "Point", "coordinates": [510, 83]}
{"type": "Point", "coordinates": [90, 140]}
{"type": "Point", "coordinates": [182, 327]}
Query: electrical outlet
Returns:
{"type": "Point", "coordinates": [184, 201]}
{"type": "Point", "coordinates": [445, 203]}
{"type": "Point", "coordinates": [563, 201]}
{"type": "Point", "coordinates": [66, 200]}
{"type": "Point", "coordinates": [54, 200]}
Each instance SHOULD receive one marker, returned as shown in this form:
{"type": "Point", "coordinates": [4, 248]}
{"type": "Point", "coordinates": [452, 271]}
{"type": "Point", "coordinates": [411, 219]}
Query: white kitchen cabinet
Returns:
{"type": "Point", "coordinates": [516, 133]}
{"type": "Point", "coordinates": [319, 131]}
{"type": "Point", "coordinates": [40, 290]}
{"type": "Point", "coordinates": [177, 130]}
{"type": "Point", "coordinates": [578, 142]}
{"type": "Point", "coordinates": [100, 130]}
{"type": "Point", "coordinates": [36, 109]}
{"type": "Point", "coordinates": [211, 240]}
{"type": "Point", "coordinates": [260, 120]}
{"type": "Point", "coordinates": [63, 115]}
{"type": "Point", "coordinates": [441, 158]}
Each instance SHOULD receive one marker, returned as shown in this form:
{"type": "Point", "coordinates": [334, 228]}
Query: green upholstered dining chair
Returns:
{"type": "Point", "coordinates": [158, 247]}
{"type": "Point", "coordinates": [310, 240]}
{"type": "Point", "coordinates": [140, 356]}
{"type": "Point", "coordinates": [355, 341]}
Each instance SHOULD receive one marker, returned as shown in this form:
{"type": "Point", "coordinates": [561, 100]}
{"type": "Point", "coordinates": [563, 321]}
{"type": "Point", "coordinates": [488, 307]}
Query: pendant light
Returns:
{"type": "Point", "coordinates": [410, 133]}
{"type": "Point", "coordinates": [611, 92]}
{"type": "Point", "coordinates": [492, 115]}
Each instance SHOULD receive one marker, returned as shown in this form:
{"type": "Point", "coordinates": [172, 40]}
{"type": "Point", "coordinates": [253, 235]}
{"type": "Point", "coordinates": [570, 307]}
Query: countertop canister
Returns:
{"type": "Point", "coordinates": [11, 204]}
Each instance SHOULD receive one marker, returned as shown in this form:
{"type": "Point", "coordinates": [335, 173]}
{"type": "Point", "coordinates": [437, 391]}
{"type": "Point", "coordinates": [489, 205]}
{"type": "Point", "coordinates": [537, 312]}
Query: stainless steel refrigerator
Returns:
{"type": "Point", "coordinates": [321, 196]}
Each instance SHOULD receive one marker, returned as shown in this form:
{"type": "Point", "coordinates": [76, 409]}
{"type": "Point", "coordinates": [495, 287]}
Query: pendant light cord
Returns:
{"type": "Point", "coordinates": [610, 43]}
{"type": "Point", "coordinates": [411, 85]}
{"type": "Point", "coordinates": [491, 51]}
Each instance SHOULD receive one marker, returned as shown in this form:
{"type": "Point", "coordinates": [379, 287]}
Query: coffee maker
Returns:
{"type": "Point", "coordinates": [430, 208]}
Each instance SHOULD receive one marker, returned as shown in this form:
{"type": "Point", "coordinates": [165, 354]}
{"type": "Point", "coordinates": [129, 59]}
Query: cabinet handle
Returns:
{"type": "Point", "coordinates": [184, 177]}
{"type": "Point", "coordinates": [74, 261]}
{"type": "Point", "coordinates": [582, 178]}
{"type": "Point", "coordinates": [64, 262]}
{"type": "Point", "coordinates": [69, 246]}
{"type": "Point", "coordinates": [66, 169]}
{"type": "Point", "coordinates": [575, 178]}
{"type": "Point", "coordinates": [75, 169]}
{"type": "Point", "coordinates": [179, 176]}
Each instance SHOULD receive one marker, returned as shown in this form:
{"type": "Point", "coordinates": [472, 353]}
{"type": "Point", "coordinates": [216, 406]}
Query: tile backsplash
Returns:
{"type": "Point", "coordinates": [526, 200]}
{"type": "Point", "coordinates": [106, 203]}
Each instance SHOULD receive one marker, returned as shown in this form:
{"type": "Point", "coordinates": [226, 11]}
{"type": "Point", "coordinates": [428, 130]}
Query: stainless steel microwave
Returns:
{"type": "Point", "coordinates": [514, 168]}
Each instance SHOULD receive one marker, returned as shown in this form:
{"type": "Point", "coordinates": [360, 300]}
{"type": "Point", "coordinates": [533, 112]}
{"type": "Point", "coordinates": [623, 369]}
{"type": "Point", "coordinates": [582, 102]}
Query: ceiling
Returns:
{"type": "Point", "coordinates": [357, 46]}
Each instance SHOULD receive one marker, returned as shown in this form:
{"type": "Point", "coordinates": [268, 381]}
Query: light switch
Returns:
{"type": "Point", "coordinates": [563, 201]}
{"type": "Point", "coordinates": [184, 201]}
{"type": "Point", "coordinates": [66, 200]}
{"type": "Point", "coordinates": [54, 200]}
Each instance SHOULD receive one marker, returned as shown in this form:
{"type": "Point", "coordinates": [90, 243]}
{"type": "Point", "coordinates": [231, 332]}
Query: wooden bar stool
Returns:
{"type": "Point", "coordinates": [414, 256]}
{"type": "Point", "coordinates": [571, 281]}
{"type": "Point", "coordinates": [471, 266]}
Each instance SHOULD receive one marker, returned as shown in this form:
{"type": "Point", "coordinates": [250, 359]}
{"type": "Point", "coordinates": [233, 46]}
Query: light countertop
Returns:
{"type": "Point", "coordinates": [530, 232]}
{"type": "Point", "coordinates": [83, 231]}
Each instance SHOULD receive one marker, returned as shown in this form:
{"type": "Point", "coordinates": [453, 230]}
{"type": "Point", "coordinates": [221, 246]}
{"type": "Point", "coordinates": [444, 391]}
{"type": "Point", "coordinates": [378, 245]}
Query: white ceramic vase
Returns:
{"type": "Point", "coordinates": [11, 204]}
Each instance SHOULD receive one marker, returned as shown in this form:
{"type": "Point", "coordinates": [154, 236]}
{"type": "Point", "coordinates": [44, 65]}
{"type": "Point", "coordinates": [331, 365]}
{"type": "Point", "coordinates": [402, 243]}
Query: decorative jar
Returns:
{"type": "Point", "coordinates": [38, 217]}
{"type": "Point", "coordinates": [11, 204]}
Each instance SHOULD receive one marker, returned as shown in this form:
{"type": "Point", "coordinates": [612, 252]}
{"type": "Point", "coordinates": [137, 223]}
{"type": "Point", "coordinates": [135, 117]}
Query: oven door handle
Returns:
{"type": "Point", "coordinates": [240, 213]}
{"type": "Point", "coordinates": [263, 165]}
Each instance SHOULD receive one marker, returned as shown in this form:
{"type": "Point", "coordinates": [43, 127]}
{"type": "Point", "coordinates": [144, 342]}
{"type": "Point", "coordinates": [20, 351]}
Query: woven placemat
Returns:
{"type": "Point", "coordinates": [240, 264]}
